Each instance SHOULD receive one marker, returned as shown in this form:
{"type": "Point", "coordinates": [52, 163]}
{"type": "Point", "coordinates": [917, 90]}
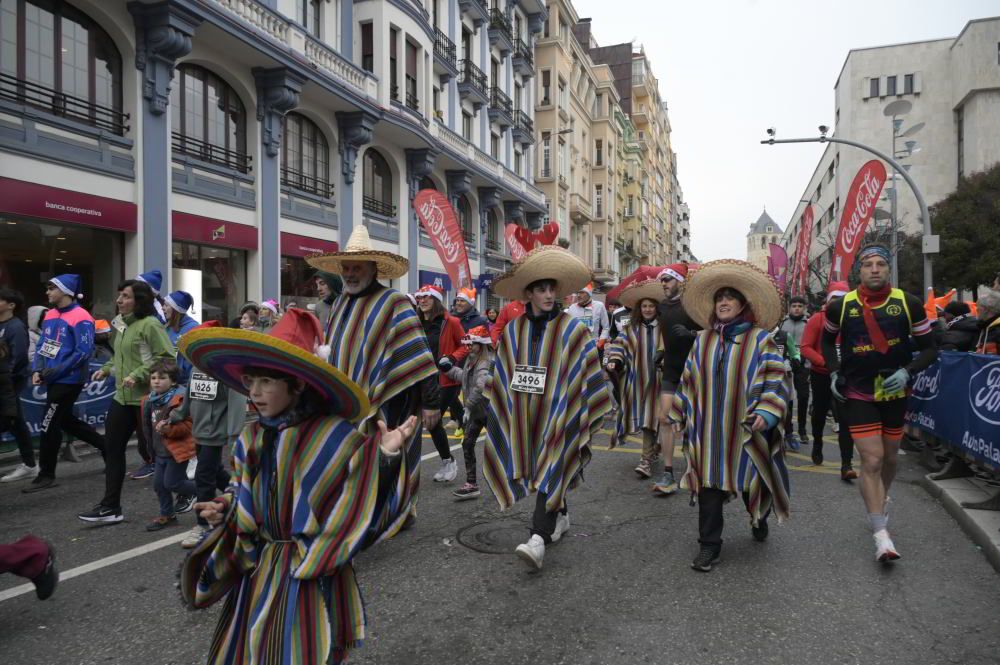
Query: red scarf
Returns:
{"type": "Point", "coordinates": [870, 299]}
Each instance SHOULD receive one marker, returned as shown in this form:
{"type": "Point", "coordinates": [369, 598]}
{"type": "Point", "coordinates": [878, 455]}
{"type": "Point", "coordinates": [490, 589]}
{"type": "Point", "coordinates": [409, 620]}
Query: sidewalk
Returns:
{"type": "Point", "coordinates": [983, 526]}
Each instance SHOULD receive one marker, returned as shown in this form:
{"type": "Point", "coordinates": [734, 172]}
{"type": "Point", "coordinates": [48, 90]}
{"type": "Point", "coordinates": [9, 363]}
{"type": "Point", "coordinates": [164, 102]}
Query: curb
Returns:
{"type": "Point", "coordinates": [980, 525]}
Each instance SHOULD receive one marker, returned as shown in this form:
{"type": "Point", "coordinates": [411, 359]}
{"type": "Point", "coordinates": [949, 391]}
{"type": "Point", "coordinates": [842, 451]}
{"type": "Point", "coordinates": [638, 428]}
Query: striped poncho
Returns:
{"type": "Point", "coordinates": [728, 379]}
{"type": "Point", "coordinates": [378, 341]}
{"type": "Point", "coordinates": [304, 498]}
{"type": "Point", "coordinates": [638, 382]}
{"type": "Point", "coordinates": [542, 442]}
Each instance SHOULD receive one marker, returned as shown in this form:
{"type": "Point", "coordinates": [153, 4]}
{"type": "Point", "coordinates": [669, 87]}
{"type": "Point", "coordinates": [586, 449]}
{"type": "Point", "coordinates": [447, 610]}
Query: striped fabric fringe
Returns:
{"type": "Point", "coordinates": [638, 382]}
{"type": "Point", "coordinates": [304, 500]}
{"type": "Point", "coordinates": [377, 340]}
{"type": "Point", "coordinates": [724, 382]}
{"type": "Point", "coordinates": [542, 442]}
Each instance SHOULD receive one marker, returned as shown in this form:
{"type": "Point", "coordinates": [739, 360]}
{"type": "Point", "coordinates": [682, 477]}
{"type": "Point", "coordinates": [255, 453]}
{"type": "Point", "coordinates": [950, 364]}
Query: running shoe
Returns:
{"type": "Point", "coordinates": [665, 485]}
{"type": "Point", "coordinates": [45, 583]}
{"type": "Point", "coordinates": [144, 471]}
{"type": "Point", "coordinates": [792, 442]}
{"type": "Point", "coordinates": [466, 492]}
{"type": "Point", "coordinates": [447, 472]}
{"type": "Point", "coordinates": [21, 472]}
{"type": "Point", "coordinates": [184, 504]}
{"type": "Point", "coordinates": [848, 474]}
{"type": "Point", "coordinates": [644, 469]}
{"type": "Point", "coordinates": [38, 484]}
{"type": "Point", "coordinates": [459, 433]}
{"type": "Point", "coordinates": [194, 536]}
{"type": "Point", "coordinates": [532, 552]}
{"type": "Point", "coordinates": [102, 514]}
{"type": "Point", "coordinates": [885, 551]}
{"type": "Point", "coordinates": [707, 557]}
{"type": "Point", "coordinates": [161, 522]}
{"type": "Point", "coordinates": [562, 526]}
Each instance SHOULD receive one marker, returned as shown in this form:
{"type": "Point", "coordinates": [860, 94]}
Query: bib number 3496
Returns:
{"type": "Point", "coordinates": [528, 379]}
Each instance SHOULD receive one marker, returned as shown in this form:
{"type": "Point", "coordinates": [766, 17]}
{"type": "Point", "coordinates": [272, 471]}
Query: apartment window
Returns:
{"type": "Point", "coordinates": [599, 152]}
{"type": "Point", "coordinates": [434, 14]}
{"type": "Point", "coordinates": [467, 126]}
{"type": "Point", "coordinates": [367, 48]}
{"type": "Point", "coordinates": [495, 72]}
{"type": "Point", "coordinates": [546, 155]}
{"type": "Point", "coordinates": [466, 43]}
{"type": "Point", "coordinates": [545, 29]}
{"type": "Point", "coordinates": [563, 94]}
{"type": "Point", "coordinates": [890, 85]}
{"type": "Point", "coordinates": [393, 69]}
{"type": "Point", "coordinates": [377, 185]}
{"type": "Point", "coordinates": [873, 87]}
{"type": "Point", "coordinates": [517, 97]}
{"type": "Point", "coordinates": [829, 173]}
{"type": "Point", "coordinates": [307, 12]}
{"type": "Point", "coordinates": [495, 146]}
{"type": "Point", "coordinates": [546, 87]}
{"type": "Point", "coordinates": [562, 157]}
{"type": "Point", "coordinates": [208, 119]}
{"type": "Point", "coordinates": [518, 162]}
{"type": "Point", "coordinates": [465, 220]}
{"type": "Point", "coordinates": [436, 101]}
{"type": "Point", "coordinates": [598, 252]}
{"type": "Point", "coordinates": [411, 77]}
{"type": "Point", "coordinates": [630, 206]}
{"type": "Point", "coordinates": [305, 163]}
{"type": "Point", "coordinates": [908, 84]}
{"type": "Point", "coordinates": [599, 201]}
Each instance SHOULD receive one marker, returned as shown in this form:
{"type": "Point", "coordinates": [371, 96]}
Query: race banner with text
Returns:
{"type": "Point", "coordinates": [440, 222]}
{"type": "Point", "coordinates": [801, 278]}
{"type": "Point", "coordinates": [517, 250]}
{"type": "Point", "coordinates": [957, 399]}
{"type": "Point", "coordinates": [858, 210]}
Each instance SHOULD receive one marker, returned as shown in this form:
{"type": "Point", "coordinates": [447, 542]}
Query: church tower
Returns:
{"type": "Point", "coordinates": [762, 233]}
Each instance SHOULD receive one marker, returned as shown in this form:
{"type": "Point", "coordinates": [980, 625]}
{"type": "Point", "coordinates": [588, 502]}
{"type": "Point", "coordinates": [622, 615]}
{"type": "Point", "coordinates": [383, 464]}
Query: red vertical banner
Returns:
{"type": "Point", "coordinates": [440, 222]}
{"type": "Point", "coordinates": [517, 250]}
{"type": "Point", "coordinates": [777, 265]}
{"type": "Point", "coordinates": [800, 280]}
{"type": "Point", "coordinates": [858, 210]}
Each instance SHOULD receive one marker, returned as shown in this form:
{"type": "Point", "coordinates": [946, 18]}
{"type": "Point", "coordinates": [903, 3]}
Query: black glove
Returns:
{"type": "Point", "coordinates": [46, 373]}
{"type": "Point", "coordinates": [446, 363]}
{"type": "Point", "coordinates": [680, 332]}
{"type": "Point", "coordinates": [658, 359]}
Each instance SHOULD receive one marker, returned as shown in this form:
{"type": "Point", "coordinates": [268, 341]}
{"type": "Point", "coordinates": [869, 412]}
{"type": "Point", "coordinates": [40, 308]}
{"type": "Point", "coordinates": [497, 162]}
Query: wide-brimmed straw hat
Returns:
{"type": "Point", "coordinates": [569, 271]}
{"type": "Point", "coordinates": [359, 248]}
{"type": "Point", "coordinates": [763, 297]}
{"type": "Point", "coordinates": [650, 289]}
{"type": "Point", "coordinates": [290, 347]}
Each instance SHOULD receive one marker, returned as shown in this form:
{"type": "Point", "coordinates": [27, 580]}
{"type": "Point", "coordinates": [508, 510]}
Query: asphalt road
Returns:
{"type": "Point", "coordinates": [617, 589]}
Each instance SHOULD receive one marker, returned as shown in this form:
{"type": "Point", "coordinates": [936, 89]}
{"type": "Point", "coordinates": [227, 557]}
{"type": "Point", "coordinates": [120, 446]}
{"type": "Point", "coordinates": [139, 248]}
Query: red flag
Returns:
{"type": "Point", "coordinates": [858, 210]}
{"type": "Point", "coordinates": [777, 265]}
{"type": "Point", "coordinates": [440, 222]}
{"type": "Point", "coordinates": [800, 279]}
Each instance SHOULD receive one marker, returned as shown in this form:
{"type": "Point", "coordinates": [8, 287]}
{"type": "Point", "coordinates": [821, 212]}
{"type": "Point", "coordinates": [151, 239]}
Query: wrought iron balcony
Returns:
{"type": "Point", "coordinates": [522, 59]}
{"type": "Point", "coordinates": [444, 50]}
{"type": "Point", "coordinates": [378, 206]}
{"type": "Point", "coordinates": [524, 129]}
{"type": "Point", "coordinates": [306, 183]}
{"type": "Point", "coordinates": [492, 244]}
{"type": "Point", "coordinates": [411, 102]}
{"type": "Point", "coordinates": [21, 91]}
{"type": "Point", "coordinates": [213, 154]}
{"type": "Point", "coordinates": [501, 109]}
{"type": "Point", "coordinates": [500, 31]}
{"type": "Point", "coordinates": [472, 83]}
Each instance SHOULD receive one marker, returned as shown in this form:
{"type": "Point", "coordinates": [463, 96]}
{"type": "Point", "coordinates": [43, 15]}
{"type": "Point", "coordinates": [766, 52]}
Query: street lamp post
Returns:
{"type": "Point", "coordinates": [930, 242]}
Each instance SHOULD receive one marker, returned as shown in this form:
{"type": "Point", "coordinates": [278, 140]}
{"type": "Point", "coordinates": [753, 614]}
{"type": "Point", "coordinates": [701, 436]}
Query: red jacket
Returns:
{"type": "Point", "coordinates": [450, 344]}
{"type": "Point", "coordinates": [812, 342]}
{"type": "Point", "coordinates": [509, 312]}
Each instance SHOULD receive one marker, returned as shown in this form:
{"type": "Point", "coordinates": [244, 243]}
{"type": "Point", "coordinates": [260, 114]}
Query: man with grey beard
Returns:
{"type": "Point", "coordinates": [373, 335]}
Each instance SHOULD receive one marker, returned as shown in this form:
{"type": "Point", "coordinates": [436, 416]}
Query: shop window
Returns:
{"type": "Point", "coordinates": [306, 160]}
{"type": "Point", "coordinates": [298, 283]}
{"type": "Point", "coordinates": [54, 57]}
{"type": "Point", "coordinates": [377, 194]}
{"type": "Point", "coordinates": [209, 121]}
{"type": "Point", "coordinates": [222, 273]}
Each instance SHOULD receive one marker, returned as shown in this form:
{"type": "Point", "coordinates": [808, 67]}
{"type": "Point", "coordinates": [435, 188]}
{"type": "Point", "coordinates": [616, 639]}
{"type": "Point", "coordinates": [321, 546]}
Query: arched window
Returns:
{"type": "Point", "coordinates": [209, 121]}
{"type": "Point", "coordinates": [377, 187]}
{"type": "Point", "coordinates": [465, 219]}
{"type": "Point", "coordinates": [305, 163]}
{"type": "Point", "coordinates": [54, 57]}
{"type": "Point", "coordinates": [493, 231]}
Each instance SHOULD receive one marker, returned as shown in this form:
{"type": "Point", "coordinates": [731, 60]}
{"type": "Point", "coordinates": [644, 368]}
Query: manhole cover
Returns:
{"type": "Point", "coordinates": [499, 537]}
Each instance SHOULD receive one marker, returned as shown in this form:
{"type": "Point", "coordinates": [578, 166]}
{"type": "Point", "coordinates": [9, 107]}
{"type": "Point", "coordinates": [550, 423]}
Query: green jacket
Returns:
{"type": "Point", "coordinates": [137, 344]}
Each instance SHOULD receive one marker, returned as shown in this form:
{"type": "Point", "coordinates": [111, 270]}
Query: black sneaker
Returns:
{"type": "Point", "coordinates": [706, 558]}
{"type": "Point", "coordinates": [184, 504]}
{"type": "Point", "coordinates": [817, 453]}
{"type": "Point", "coordinates": [102, 514]}
{"type": "Point", "coordinates": [45, 584]}
{"type": "Point", "coordinates": [38, 484]}
{"type": "Point", "coordinates": [759, 532]}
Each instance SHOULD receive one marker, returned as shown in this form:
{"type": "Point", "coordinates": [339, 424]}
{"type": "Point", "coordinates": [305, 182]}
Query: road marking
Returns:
{"type": "Point", "coordinates": [14, 592]}
{"type": "Point", "coordinates": [828, 468]}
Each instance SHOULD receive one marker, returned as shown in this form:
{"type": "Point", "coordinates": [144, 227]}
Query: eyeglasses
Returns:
{"type": "Point", "coordinates": [266, 384]}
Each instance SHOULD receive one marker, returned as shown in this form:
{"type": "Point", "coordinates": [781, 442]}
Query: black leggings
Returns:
{"type": "Point", "coordinates": [710, 517]}
{"type": "Point", "coordinates": [543, 523]}
{"type": "Point", "coordinates": [59, 418]}
{"type": "Point", "coordinates": [18, 426]}
{"type": "Point", "coordinates": [210, 477]}
{"type": "Point", "coordinates": [449, 394]}
{"type": "Point", "coordinates": [823, 401]}
{"type": "Point", "coordinates": [120, 425]}
{"type": "Point", "coordinates": [472, 433]}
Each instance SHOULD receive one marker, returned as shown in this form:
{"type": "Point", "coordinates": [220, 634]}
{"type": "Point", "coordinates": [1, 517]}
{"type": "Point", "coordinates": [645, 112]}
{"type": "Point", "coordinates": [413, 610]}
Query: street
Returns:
{"type": "Point", "coordinates": [617, 589]}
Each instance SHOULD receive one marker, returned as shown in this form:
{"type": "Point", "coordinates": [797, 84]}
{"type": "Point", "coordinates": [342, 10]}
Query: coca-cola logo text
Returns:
{"type": "Point", "coordinates": [864, 206]}
{"type": "Point", "coordinates": [434, 222]}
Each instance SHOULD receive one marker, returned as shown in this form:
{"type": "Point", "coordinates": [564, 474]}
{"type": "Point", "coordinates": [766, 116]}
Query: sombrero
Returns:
{"type": "Point", "coordinates": [570, 273]}
{"type": "Point", "coordinates": [650, 289]}
{"type": "Point", "coordinates": [359, 248]}
{"type": "Point", "coordinates": [289, 347]}
{"type": "Point", "coordinates": [698, 296]}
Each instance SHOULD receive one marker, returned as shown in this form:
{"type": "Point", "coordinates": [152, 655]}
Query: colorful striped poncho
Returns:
{"type": "Point", "coordinates": [542, 442]}
{"type": "Point", "coordinates": [638, 381]}
{"type": "Point", "coordinates": [378, 341]}
{"type": "Point", "coordinates": [726, 381]}
{"type": "Point", "coordinates": [304, 499]}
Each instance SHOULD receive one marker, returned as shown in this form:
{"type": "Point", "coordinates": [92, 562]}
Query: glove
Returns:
{"type": "Point", "coordinates": [837, 383]}
{"type": "Point", "coordinates": [680, 332]}
{"type": "Point", "coordinates": [896, 381]}
{"type": "Point", "coordinates": [446, 363]}
{"type": "Point", "coordinates": [658, 359]}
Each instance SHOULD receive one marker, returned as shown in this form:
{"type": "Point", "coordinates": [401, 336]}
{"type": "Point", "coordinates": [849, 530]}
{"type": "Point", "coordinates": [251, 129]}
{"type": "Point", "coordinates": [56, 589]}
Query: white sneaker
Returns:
{"type": "Point", "coordinates": [885, 551]}
{"type": "Point", "coordinates": [22, 472]}
{"type": "Point", "coordinates": [447, 472]}
{"type": "Point", "coordinates": [192, 467]}
{"type": "Point", "coordinates": [532, 552]}
{"type": "Point", "coordinates": [562, 526]}
{"type": "Point", "coordinates": [194, 536]}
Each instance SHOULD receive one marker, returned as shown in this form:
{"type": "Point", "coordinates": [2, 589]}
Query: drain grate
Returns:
{"type": "Point", "coordinates": [497, 537]}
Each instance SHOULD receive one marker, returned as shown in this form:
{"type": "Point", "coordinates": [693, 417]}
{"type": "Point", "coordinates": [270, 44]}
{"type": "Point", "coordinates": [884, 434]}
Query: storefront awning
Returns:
{"type": "Point", "coordinates": [29, 199]}
{"type": "Point", "coordinates": [302, 246]}
{"type": "Point", "coordinates": [210, 231]}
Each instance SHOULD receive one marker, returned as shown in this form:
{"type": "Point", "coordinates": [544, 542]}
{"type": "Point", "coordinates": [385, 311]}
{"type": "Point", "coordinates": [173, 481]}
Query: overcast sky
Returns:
{"type": "Point", "coordinates": [731, 69]}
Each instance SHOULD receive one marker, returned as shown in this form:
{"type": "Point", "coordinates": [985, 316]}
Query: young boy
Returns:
{"type": "Point", "coordinates": [473, 377]}
{"type": "Point", "coordinates": [171, 443]}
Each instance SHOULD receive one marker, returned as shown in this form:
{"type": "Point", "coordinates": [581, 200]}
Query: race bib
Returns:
{"type": "Point", "coordinates": [203, 387]}
{"type": "Point", "coordinates": [528, 379]}
{"type": "Point", "coordinates": [50, 348]}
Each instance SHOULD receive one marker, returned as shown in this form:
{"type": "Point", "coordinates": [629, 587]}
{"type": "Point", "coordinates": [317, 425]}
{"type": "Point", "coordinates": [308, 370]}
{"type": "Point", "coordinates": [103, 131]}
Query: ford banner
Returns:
{"type": "Point", "coordinates": [957, 399]}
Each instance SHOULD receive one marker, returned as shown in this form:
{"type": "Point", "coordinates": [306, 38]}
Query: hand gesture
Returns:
{"type": "Point", "coordinates": [211, 511]}
{"type": "Point", "coordinates": [98, 375]}
{"type": "Point", "coordinates": [758, 424]}
{"type": "Point", "coordinates": [430, 418]}
{"type": "Point", "coordinates": [129, 382]}
{"type": "Point", "coordinates": [393, 440]}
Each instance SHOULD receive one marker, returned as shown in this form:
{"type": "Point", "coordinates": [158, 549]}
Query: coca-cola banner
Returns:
{"type": "Point", "coordinates": [858, 211]}
{"type": "Point", "coordinates": [440, 222]}
{"type": "Point", "coordinates": [777, 265]}
{"type": "Point", "coordinates": [510, 234]}
{"type": "Point", "coordinates": [801, 278]}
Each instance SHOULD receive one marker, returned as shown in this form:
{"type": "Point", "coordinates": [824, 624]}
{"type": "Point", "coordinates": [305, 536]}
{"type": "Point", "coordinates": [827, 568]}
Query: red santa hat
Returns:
{"type": "Point", "coordinates": [432, 291]}
{"type": "Point", "coordinates": [676, 271]}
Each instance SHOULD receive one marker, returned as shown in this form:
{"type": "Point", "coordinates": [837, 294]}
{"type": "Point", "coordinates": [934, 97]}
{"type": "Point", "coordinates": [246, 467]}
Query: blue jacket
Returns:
{"type": "Point", "coordinates": [63, 351]}
{"type": "Point", "coordinates": [15, 333]}
{"type": "Point", "coordinates": [472, 319]}
{"type": "Point", "coordinates": [183, 365]}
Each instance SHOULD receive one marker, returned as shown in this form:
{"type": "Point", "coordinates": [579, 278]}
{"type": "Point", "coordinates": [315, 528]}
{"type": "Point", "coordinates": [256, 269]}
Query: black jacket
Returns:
{"type": "Point", "coordinates": [676, 349]}
{"type": "Point", "coordinates": [961, 334]}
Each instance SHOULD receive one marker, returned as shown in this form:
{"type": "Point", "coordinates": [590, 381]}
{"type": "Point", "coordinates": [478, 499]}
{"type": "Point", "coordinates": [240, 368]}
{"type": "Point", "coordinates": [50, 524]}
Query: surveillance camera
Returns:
{"type": "Point", "coordinates": [823, 129]}
{"type": "Point", "coordinates": [771, 131]}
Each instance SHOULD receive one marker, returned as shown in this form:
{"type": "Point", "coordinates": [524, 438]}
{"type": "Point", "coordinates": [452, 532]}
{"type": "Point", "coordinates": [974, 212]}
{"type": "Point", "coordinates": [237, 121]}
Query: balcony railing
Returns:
{"type": "Point", "coordinates": [469, 236]}
{"type": "Point", "coordinates": [546, 173]}
{"type": "Point", "coordinates": [500, 22]}
{"type": "Point", "coordinates": [306, 183]}
{"type": "Point", "coordinates": [378, 206]}
{"type": "Point", "coordinates": [522, 121]}
{"type": "Point", "coordinates": [469, 73]}
{"type": "Point", "coordinates": [523, 51]}
{"type": "Point", "coordinates": [492, 244]}
{"type": "Point", "coordinates": [61, 104]}
{"type": "Point", "coordinates": [444, 48]}
{"type": "Point", "coordinates": [206, 152]}
{"type": "Point", "coordinates": [412, 102]}
{"type": "Point", "coordinates": [500, 101]}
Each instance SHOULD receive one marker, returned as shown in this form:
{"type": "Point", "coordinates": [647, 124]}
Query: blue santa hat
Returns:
{"type": "Point", "coordinates": [154, 278]}
{"type": "Point", "coordinates": [180, 301]}
{"type": "Point", "coordinates": [68, 284]}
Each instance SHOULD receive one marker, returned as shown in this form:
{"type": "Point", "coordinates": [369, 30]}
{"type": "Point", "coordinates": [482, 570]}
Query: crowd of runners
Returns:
{"type": "Point", "coordinates": [296, 435]}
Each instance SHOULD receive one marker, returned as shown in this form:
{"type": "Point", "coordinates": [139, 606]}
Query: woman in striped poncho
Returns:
{"type": "Point", "coordinates": [731, 396]}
